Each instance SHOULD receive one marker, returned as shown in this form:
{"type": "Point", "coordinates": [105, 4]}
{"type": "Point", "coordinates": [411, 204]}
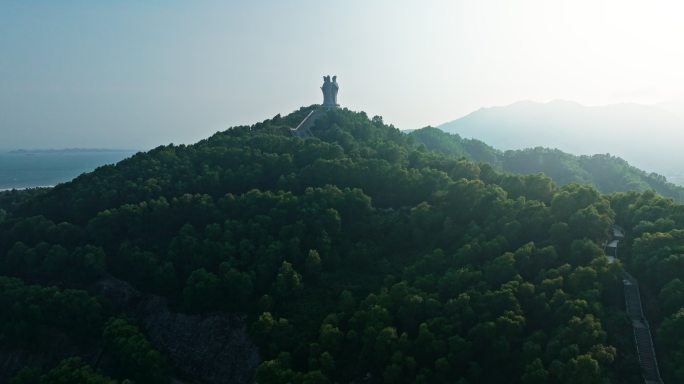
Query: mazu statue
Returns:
{"type": "Point", "coordinates": [330, 89]}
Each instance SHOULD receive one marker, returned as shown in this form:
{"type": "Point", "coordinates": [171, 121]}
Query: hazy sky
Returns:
{"type": "Point", "coordinates": [137, 74]}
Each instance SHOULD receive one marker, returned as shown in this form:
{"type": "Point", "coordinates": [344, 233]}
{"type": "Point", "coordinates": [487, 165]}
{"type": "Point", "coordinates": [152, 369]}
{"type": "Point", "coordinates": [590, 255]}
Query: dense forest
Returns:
{"type": "Point", "coordinates": [605, 172]}
{"type": "Point", "coordinates": [359, 255]}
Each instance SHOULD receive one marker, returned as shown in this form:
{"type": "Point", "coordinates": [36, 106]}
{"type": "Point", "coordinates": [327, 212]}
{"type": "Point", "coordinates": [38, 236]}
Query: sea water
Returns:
{"type": "Point", "coordinates": [31, 169]}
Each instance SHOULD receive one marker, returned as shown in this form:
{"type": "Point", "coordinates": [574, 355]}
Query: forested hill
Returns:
{"type": "Point", "coordinates": [605, 172]}
{"type": "Point", "coordinates": [353, 256]}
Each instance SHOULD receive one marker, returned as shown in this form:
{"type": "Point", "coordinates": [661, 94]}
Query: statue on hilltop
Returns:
{"type": "Point", "coordinates": [330, 89]}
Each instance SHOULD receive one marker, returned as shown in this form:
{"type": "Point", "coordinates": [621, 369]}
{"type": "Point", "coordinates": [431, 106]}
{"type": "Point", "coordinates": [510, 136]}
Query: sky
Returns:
{"type": "Point", "coordinates": [138, 74]}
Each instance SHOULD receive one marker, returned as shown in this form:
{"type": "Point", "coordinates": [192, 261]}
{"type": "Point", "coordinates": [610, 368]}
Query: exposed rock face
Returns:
{"type": "Point", "coordinates": [213, 348]}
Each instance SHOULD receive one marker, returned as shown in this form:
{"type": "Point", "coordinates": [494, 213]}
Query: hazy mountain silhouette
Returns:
{"type": "Point", "coordinates": [649, 137]}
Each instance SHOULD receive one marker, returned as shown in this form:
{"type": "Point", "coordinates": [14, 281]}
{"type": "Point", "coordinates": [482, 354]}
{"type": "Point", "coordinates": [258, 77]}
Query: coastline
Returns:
{"type": "Point", "coordinates": [24, 188]}
{"type": "Point", "coordinates": [29, 169]}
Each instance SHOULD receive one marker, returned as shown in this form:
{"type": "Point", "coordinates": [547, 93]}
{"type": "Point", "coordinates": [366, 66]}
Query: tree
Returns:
{"type": "Point", "coordinates": [273, 372]}
{"type": "Point", "coordinates": [589, 222]}
{"type": "Point", "coordinates": [312, 265]}
{"type": "Point", "coordinates": [535, 373]}
{"type": "Point", "coordinates": [202, 291]}
{"type": "Point", "coordinates": [132, 353]}
{"type": "Point", "coordinates": [670, 337]}
{"type": "Point", "coordinates": [583, 369]}
{"type": "Point", "coordinates": [68, 371]}
{"type": "Point", "coordinates": [501, 269]}
{"type": "Point", "coordinates": [671, 296]}
{"type": "Point", "coordinates": [330, 338]}
{"type": "Point", "coordinates": [237, 286]}
{"type": "Point", "coordinates": [583, 251]}
{"type": "Point", "coordinates": [315, 377]}
{"type": "Point", "coordinates": [288, 281]}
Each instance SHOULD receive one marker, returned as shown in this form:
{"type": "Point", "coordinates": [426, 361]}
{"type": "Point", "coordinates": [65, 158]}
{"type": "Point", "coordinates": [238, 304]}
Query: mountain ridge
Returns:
{"type": "Point", "coordinates": [605, 172]}
{"type": "Point", "coordinates": [646, 136]}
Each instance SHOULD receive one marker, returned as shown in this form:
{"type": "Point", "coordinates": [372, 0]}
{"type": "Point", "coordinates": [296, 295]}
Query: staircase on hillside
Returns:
{"type": "Point", "coordinates": [642, 332]}
{"type": "Point", "coordinates": [632, 299]}
{"type": "Point", "coordinates": [647, 360]}
{"type": "Point", "coordinates": [329, 88]}
{"type": "Point", "coordinates": [304, 128]}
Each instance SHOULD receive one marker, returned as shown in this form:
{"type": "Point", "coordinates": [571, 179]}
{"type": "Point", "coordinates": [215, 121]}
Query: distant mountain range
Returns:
{"type": "Point", "coordinates": [649, 137]}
